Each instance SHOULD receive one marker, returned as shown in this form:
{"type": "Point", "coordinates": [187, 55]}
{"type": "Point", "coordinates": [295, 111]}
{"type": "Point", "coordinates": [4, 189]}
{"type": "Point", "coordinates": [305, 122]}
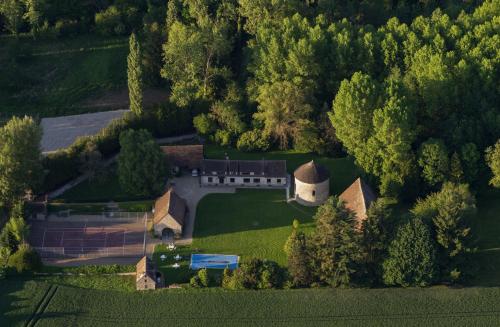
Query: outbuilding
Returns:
{"type": "Point", "coordinates": [169, 214]}
{"type": "Point", "coordinates": [312, 184]}
{"type": "Point", "coordinates": [147, 276]}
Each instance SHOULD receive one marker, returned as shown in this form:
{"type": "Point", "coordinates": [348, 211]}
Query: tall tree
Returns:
{"type": "Point", "coordinates": [493, 160]}
{"type": "Point", "coordinates": [450, 211]}
{"type": "Point", "coordinates": [13, 11]}
{"type": "Point", "coordinates": [195, 51]}
{"type": "Point", "coordinates": [21, 168]}
{"type": "Point", "coordinates": [412, 256]}
{"type": "Point", "coordinates": [433, 159]}
{"type": "Point", "coordinates": [34, 15]}
{"type": "Point", "coordinates": [352, 114]}
{"type": "Point", "coordinates": [142, 169]}
{"type": "Point", "coordinates": [135, 76]}
{"type": "Point", "coordinates": [374, 241]}
{"type": "Point", "coordinates": [298, 259]}
{"type": "Point", "coordinates": [335, 244]}
{"type": "Point", "coordinates": [282, 109]}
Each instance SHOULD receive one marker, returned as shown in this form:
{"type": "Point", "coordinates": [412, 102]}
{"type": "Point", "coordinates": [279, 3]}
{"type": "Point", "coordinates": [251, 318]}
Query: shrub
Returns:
{"type": "Point", "coordinates": [66, 27]}
{"type": "Point", "coordinates": [203, 124]}
{"type": "Point", "coordinates": [203, 277]}
{"type": "Point", "coordinates": [253, 140]}
{"type": "Point", "coordinates": [254, 274]}
{"type": "Point", "coordinates": [108, 20]}
{"type": "Point", "coordinates": [223, 137]}
{"type": "Point", "coordinates": [25, 259]}
{"type": "Point", "coordinates": [195, 282]}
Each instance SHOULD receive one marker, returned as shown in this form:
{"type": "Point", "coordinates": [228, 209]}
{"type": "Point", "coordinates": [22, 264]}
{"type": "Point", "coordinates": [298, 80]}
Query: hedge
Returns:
{"type": "Point", "coordinates": [162, 121]}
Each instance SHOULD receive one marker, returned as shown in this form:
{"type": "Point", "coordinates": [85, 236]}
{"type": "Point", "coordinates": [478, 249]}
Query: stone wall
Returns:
{"type": "Point", "coordinates": [312, 194]}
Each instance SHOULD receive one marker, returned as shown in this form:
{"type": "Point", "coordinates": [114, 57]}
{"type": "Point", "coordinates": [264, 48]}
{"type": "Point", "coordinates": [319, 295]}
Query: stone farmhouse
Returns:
{"type": "Point", "coordinates": [169, 215]}
{"type": "Point", "coordinates": [147, 276]}
{"type": "Point", "coordinates": [243, 173]}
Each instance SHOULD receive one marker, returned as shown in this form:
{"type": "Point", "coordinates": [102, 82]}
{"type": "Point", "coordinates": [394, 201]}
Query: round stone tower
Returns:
{"type": "Point", "coordinates": [312, 184]}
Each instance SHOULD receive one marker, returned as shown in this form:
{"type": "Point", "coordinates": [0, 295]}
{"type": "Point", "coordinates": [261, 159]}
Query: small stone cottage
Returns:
{"type": "Point", "coordinates": [147, 276]}
{"type": "Point", "coordinates": [169, 215]}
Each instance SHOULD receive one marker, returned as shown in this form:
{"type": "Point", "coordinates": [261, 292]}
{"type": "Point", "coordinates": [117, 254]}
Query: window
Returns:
{"type": "Point", "coordinates": [210, 179]}
{"type": "Point", "coordinates": [231, 180]}
{"type": "Point", "coordinates": [278, 181]}
{"type": "Point", "coordinates": [256, 180]}
{"type": "Point", "coordinates": [314, 193]}
{"type": "Point", "coordinates": [246, 180]}
{"type": "Point", "coordinates": [268, 181]}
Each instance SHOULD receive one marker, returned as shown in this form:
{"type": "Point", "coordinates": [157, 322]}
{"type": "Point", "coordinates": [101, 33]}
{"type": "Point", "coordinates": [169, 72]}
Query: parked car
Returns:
{"type": "Point", "coordinates": [194, 173]}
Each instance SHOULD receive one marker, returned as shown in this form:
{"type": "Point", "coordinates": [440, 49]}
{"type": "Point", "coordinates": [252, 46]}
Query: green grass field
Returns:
{"type": "Point", "coordinates": [56, 77]}
{"type": "Point", "coordinates": [30, 303]}
{"type": "Point", "coordinates": [99, 190]}
{"type": "Point", "coordinates": [250, 223]}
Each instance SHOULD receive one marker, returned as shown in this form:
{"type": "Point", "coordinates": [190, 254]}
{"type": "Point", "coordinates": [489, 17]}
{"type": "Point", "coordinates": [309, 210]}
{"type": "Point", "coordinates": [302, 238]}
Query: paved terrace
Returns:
{"type": "Point", "coordinates": [61, 132]}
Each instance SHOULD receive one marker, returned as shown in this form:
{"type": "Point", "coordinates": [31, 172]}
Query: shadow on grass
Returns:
{"type": "Point", "coordinates": [247, 210]}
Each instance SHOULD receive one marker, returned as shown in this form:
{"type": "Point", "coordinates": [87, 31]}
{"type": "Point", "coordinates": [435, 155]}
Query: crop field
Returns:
{"type": "Point", "coordinates": [38, 303]}
{"type": "Point", "coordinates": [58, 77]}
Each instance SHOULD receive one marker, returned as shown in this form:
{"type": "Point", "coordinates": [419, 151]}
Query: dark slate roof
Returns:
{"type": "Point", "coordinates": [265, 168]}
{"type": "Point", "coordinates": [311, 173]}
{"type": "Point", "coordinates": [358, 198]}
{"type": "Point", "coordinates": [170, 203]}
{"type": "Point", "coordinates": [188, 156]}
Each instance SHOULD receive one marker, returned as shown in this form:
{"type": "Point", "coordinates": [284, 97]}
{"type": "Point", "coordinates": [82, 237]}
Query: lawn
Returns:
{"type": "Point", "coordinates": [99, 190]}
{"type": "Point", "coordinates": [250, 223]}
{"type": "Point", "coordinates": [308, 307]}
{"type": "Point", "coordinates": [57, 77]}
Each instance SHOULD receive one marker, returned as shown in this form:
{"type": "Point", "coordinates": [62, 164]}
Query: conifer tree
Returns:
{"type": "Point", "coordinates": [335, 248]}
{"type": "Point", "coordinates": [412, 256]}
{"type": "Point", "coordinates": [298, 259]}
{"type": "Point", "coordinates": [135, 76]}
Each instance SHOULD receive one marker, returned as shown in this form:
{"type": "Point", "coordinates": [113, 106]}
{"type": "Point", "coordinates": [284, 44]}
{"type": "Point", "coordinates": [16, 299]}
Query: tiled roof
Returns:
{"type": "Point", "coordinates": [185, 156]}
{"type": "Point", "coordinates": [358, 198]}
{"type": "Point", "coordinates": [145, 267]}
{"type": "Point", "coordinates": [170, 203]}
{"type": "Point", "coordinates": [265, 168]}
{"type": "Point", "coordinates": [311, 173]}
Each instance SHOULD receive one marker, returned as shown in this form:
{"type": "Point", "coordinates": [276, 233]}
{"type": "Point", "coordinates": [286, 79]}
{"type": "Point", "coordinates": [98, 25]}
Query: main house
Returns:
{"type": "Point", "coordinates": [243, 173]}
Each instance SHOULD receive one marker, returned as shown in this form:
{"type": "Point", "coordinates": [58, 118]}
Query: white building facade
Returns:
{"type": "Point", "coordinates": [244, 173]}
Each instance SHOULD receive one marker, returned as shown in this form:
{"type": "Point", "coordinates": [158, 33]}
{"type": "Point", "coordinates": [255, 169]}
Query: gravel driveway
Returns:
{"type": "Point", "coordinates": [189, 189]}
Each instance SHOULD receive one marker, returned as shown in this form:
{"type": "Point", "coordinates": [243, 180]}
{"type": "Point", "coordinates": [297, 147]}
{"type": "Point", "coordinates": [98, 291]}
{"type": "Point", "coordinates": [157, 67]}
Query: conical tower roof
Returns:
{"type": "Point", "coordinates": [311, 173]}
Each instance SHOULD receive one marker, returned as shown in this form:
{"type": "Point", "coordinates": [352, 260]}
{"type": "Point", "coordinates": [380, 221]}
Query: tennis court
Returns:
{"type": "Point", "coordinates": [214, 261]}
{"type": "Point", "coordinates": [88, 239]}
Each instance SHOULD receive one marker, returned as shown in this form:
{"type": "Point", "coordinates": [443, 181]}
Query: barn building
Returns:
{"type": "Point", "coordinates": [169, 215]}
{"type": "Point", "coordinates": [184, 156]}
{"type": "Point", "coordinates": [147, 276]}
{"type": "Point", "coordinates": [244, 173]}
{"type": "Point", "coordinates": [358, 197]}
{"type": "Point", "coordinates": [312, 184]}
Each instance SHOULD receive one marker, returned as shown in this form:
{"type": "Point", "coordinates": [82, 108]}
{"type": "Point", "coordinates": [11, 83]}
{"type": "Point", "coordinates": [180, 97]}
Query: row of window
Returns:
{"type": "Point", "coordinates": [245, 180]}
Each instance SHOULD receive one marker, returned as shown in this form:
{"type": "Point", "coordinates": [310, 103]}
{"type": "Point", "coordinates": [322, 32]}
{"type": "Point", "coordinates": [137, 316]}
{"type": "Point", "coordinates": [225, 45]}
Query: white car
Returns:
{"type": "Point", "coordinates": [194, 173]}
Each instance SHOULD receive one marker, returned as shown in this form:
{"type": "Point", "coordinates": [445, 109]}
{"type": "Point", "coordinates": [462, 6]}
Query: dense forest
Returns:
{"type": "Point", "coordinates": [407, 88]}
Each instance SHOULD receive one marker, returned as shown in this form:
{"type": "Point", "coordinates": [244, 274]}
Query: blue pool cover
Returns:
{"type": "Point", "coordinates": [214, 261]}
